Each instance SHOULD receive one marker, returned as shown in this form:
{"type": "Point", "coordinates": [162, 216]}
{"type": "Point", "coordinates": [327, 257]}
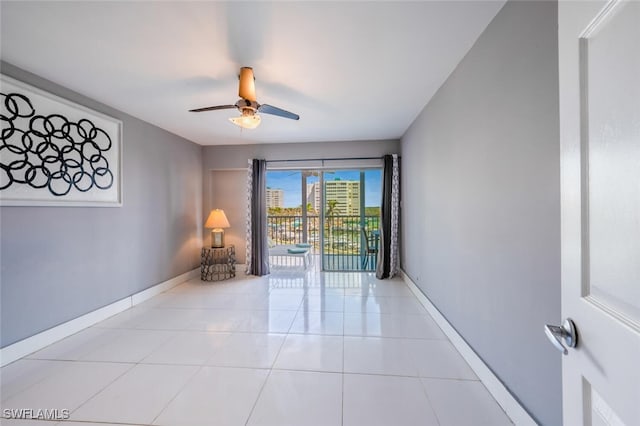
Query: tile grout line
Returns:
{"type": "Point", "coordinates": [343, 362]}
{"type": "Point", "coordinates": [264, 384]}
{"type": "Point", "coordinates": [270, 369]}
{"type": "Point", "coordinates": [186, 383]}
{"type": "Point", "coordinates": [134, 365]}
{"type": "Point", "coordinates": [255, 403]}
{"type": "Point", "coordinates": [424, 389]}
{"type": "Point", "coordinates": [102, 390]}
{"type": "Point", "coordinates": [100, 423]}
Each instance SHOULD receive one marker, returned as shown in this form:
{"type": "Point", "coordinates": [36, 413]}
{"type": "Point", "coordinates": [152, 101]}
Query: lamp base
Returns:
{"type": "Point", "coordinates": [217, 238]}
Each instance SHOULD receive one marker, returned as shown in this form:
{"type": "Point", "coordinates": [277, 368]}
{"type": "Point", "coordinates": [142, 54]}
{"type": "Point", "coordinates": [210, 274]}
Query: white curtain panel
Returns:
{"type": "Point", "coordinates": [395, 210]}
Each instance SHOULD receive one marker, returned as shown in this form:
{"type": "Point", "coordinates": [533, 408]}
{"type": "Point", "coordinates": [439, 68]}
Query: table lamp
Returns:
{"type": "Point", "coordinates": [217, 220]}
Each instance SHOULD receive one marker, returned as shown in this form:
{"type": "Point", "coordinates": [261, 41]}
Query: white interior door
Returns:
{"type": "Point", "coordinates": [599, 54]}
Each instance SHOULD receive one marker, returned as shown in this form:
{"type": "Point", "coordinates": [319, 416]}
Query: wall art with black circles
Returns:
{"type": "Point", "coordinates": [54, 152]}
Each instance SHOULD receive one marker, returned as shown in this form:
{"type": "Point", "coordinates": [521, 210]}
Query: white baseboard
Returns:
{"type": "Point", "coordinates": [38, 341]}
{"type": "Point", "coordinates": [509, 404]}
{"type": "Point", "coordinates": [147, 294]}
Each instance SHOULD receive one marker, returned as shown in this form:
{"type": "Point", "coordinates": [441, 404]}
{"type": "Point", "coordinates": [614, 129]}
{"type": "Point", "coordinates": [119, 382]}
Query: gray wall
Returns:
{"type": "Point", "coordinates": [228, 192]}
{"type": "Point", "coordinates": [481, 197]}
{"type": "Point", "coordinates": [224, 174]}
{"type": "Point", "coordinates": [59, 263]}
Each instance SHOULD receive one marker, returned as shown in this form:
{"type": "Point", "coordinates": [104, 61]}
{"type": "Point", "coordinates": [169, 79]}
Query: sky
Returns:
{"type": "Point", "coordinates": [290, 181]}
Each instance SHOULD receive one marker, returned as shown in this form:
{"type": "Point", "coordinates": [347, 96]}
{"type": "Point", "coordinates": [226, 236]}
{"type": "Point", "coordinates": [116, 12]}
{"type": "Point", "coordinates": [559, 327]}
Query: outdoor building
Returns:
{"type": "Point", "coordinates": [346, 194]}
{"type": "Point", "coordinates": [313, 196]}
{"type": "Point", "coordinates": [275, 198]}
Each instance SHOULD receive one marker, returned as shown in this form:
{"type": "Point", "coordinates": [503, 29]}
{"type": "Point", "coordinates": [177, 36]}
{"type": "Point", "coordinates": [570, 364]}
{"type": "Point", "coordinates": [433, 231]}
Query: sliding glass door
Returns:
{"type": "Point", "coordinates": [351, 219]}
{"type": "Point", "coordinates": [335, 214]}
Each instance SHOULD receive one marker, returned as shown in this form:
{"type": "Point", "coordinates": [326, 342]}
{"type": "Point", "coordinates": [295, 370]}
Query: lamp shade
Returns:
{"type": "Point", "coordinates": [217, 219]}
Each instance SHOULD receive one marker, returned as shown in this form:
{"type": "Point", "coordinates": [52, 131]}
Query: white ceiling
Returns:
{"type": "Point", "coordinates": [352, 70]}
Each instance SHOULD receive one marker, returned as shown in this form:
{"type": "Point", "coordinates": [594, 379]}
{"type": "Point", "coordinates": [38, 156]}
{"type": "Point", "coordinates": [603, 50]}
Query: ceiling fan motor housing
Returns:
{"type": "Point", "coordinates": [247, 105]}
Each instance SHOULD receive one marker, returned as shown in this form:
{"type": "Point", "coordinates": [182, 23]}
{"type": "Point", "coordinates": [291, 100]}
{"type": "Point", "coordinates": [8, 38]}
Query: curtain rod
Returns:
{"type": "Point", "coordinates": [325, 159]}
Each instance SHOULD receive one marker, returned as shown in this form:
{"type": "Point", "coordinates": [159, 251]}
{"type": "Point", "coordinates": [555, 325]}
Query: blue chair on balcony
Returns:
{"type": "Point", "coordinates": [371, 249]}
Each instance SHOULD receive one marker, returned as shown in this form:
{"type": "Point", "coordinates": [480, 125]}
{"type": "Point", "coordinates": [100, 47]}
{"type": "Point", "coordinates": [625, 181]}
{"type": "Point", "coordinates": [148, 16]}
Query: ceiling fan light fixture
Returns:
{"type": "Point", "coordinates": [246, 120]}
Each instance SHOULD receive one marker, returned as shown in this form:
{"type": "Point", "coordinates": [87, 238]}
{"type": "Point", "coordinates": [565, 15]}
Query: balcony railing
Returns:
{"type": "Point", "coordinates": [344, 246]}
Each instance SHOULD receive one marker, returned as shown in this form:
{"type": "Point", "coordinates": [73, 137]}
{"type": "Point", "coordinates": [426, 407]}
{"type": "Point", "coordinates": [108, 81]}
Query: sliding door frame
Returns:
{"type": "Point", "coordinates": [351, 164]}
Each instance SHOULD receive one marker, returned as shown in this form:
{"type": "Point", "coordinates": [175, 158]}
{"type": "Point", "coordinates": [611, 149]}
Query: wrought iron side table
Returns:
{"type": "Point", "coordinates": [218, 264]}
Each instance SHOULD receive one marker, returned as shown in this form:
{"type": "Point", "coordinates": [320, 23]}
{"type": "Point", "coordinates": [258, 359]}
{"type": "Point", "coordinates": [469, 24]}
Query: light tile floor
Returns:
{"type": "Point", "coordinates": [292, 348]}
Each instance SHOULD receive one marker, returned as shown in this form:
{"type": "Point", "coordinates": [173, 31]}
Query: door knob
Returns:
{"type": "Point", "coordinates": [566, 332]}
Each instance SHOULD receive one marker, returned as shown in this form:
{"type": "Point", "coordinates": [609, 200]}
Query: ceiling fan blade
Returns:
{"type": "Point", "coordinates": [213, 108]}
{"type": "Point", "coordinates": [268, 109]}
{"type": "Point", "coordinates": [247, 88]}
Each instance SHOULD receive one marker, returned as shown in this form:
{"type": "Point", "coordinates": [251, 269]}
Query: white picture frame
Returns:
{"type": "Point", "coordinates": [54, 152]}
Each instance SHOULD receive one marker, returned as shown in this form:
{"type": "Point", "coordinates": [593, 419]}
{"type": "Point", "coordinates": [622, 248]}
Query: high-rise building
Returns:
{"type": "Point", "coordinates": [275, 197]}
{"type": "Point", "coordinates": [313, 196]}
{"type": "Point", "coordinates": [346, 194]}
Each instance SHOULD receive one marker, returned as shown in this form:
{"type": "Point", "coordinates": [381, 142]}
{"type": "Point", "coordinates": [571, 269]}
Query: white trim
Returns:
{"type": "Point", "coordinates": [147, 294]}
{"type": "Point", "coordinates": [38, 341]}
{"type": "Point", "coordinates": [328, 164]}
{"type": "Point", "coordinates": [509, 404]}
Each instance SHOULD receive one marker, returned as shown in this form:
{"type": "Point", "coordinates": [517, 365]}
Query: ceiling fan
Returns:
{"type": "Point", "coordinates": [247, 105]}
